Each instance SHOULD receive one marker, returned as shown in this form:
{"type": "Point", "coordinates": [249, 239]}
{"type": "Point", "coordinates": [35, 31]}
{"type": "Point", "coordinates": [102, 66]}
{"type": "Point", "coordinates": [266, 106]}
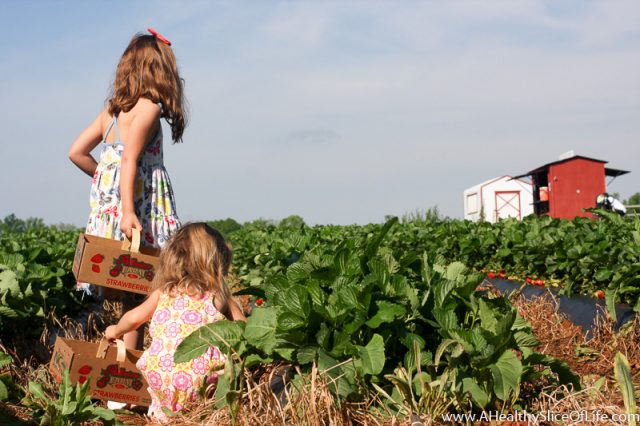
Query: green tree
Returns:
{"type": "Point", "coordinates": [293, 221]}
{"type": "Point", "coordinates": [225, 226]}
{"type": "Point", "coordinates": [634, 200]}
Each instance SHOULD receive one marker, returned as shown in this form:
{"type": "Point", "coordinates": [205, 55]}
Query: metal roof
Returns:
{"type": "Point", "coordinates": [607, 171]}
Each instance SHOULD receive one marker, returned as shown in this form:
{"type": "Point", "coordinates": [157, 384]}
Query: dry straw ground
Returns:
{"type": "Point", "coordinates": [592, 358]}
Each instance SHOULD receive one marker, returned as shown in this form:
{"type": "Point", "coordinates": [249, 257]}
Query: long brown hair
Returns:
{"type": "Point", "coordinates": [148, 69]}
{"type": "Point", "coordinates": [196, 260]}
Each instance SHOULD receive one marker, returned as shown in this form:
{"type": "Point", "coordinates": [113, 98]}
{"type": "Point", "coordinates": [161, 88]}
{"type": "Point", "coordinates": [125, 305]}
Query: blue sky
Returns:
{"type": "Point", "coordinates": [339, 111]}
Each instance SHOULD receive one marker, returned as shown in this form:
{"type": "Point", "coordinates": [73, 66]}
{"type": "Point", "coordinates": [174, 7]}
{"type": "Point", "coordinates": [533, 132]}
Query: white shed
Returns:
{"type": "Point", "coordinates": [498, 198]}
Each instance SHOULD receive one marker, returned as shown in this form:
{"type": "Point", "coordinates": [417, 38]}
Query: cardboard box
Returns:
{"type": "Point", "coordinates": [110, 370]}
{"type": "Point", "coordinates": [117, 264]}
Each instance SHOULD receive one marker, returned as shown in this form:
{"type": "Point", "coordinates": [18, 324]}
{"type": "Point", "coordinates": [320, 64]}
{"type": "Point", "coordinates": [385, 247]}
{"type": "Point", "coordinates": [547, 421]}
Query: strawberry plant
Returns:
{"type": "Point", "coordinates": [356, 308]}
{"type": "Point", "coordinates": [73, 405]}
{"type": "Point", "coordinates": [35, 273]}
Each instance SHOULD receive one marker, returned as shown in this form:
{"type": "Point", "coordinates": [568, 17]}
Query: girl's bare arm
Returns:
{"type": "Point", "coordinates": [80, 151]}
{"type": "Point", "coordinates": [235, 311]}
{"type": "Point", "coordinates": [146, 114]}
{"type": "Point", "coordinates": [134, 318]}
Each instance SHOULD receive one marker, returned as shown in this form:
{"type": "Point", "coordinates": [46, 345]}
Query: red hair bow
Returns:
{"type": "Point", "coordinates": [159, 36]}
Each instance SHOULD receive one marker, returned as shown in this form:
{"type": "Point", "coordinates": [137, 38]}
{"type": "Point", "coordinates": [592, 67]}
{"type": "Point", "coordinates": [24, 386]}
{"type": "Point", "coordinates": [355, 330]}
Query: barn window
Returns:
{"type": "Point", "coordinates": [472, 203]}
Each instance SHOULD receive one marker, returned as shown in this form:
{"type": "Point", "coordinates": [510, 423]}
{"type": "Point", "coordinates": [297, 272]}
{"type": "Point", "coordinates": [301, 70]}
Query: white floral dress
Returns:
{"type": "Point", "coordinates": [153, 197]}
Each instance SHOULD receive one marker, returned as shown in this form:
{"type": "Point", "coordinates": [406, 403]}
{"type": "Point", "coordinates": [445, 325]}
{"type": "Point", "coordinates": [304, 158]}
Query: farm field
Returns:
{"type": "Point", "coordinates": [378, 324]}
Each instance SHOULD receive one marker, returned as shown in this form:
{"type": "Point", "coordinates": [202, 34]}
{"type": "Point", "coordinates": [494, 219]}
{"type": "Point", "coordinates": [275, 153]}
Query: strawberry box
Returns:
{"type": "Point", "coordinates": [110, 370]}
{"type": "Point", "coordinates": [123, 265]}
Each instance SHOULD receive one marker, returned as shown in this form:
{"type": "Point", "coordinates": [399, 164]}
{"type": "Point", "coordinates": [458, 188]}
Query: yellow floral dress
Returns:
{"type": "Point", "coordinates": [173, 385]}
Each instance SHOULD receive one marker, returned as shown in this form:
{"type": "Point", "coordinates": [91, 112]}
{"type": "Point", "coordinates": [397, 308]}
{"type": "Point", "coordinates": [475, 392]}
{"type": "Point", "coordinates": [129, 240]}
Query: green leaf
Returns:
{"type": "Point", "coordinates": [610, 298]}
{"type": "Point", "coordinates": [69, 408]}
{"type": "Point", "coordinates": [343, 375]}
{"type": "Point", "coordinates": [4, 392]}
{"type": "Point", "coordinates": [261, 329]}
{"type": "Point", "coordinates": [9, 282]}
{"type": "Point", "coordinates": [307, 355]}
{"type": "Point", "coordinates": [289, 321]}
{"type": "Point", "coordinates": [296, 300]}
{"type": "Point", "coordinates": [223, 334]}
{"type": "Point", "coordinates": [624, 379]}
{"type": "Point", "coordinates": [506, 373]}
{"type": "Point", "coordinates": [387, 312]}
{"type": "Point", "coordinates": [8, 312]}
{"type": "Point", "coordinates": [487, 316]}
{"type": "Point", "coordinates": [104, 413]}
{"type": "Point", "coordinates": [503, 252]}
{"type": "Point", "coordinates": [372, 247]}
{"type": "Point", "coordinates": [36, 390]}
{"type": "Point", "coordinates": [372, 355]}
{"type": "Point", "coordinates": [477, 394]}
{"type": "Point", "coordinates": [456, 271]}
{"type": "Point", "coordinates": [560, 368]}
{"type": "Point", "coordinates": [5, 359]}
{"type": "Point", "coordinates": [442, 347]}
{"type": "Point", "coordinates": [446, 318]}
{"type": "Point", "coordinates": [525, 339]}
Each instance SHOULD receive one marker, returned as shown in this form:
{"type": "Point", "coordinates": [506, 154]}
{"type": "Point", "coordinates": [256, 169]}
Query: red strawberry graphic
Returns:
{"type": "Point", "coordinates": [82, 379]}
{"type": "Point", "coordinates": [98, 258]}
{"type": "Point", "coordinates": [85, 369]}
{"type": "Point", "coordinates": [95, 268]}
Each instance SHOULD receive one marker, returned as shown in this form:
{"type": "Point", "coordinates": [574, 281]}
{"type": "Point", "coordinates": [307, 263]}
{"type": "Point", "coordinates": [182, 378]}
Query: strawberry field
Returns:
{"type": "Point", "coordinates": [392, 316]}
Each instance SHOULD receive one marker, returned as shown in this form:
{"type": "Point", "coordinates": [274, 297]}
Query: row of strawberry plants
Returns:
{"type": "Point", "coordinates": [35, 274]}
{"type": "Point", "coordinates": [581, 255]}
{"type": "Point", "coordinates": [362, 311]}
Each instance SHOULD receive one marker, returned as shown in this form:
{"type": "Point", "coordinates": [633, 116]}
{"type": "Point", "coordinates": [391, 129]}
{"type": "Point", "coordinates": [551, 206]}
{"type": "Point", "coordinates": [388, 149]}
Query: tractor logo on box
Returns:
{"type": "Point", "coordinates": [131, 267]}
{"type": "Point", "coordinates": [120, 378]}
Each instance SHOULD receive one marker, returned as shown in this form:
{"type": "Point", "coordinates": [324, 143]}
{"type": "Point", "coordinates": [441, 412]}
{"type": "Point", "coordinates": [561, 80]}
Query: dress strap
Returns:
{"type": "Point", "coordinates": [106, 133]}
{"type": "Point", "coordinates": [114, 125]}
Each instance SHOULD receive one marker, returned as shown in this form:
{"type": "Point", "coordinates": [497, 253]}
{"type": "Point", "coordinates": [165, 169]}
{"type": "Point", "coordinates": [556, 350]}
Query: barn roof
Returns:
{"type": "Point", "coordinates": [607, 171]}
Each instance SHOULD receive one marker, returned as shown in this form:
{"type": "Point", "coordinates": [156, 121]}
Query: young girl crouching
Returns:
{"type": "Point", "coordinates": [191, 293]}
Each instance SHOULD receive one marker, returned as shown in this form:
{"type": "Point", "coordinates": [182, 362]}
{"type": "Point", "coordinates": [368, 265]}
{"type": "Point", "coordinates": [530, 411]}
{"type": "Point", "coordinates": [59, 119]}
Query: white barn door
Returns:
{"type": "Point", "coordinates": [507, 204]}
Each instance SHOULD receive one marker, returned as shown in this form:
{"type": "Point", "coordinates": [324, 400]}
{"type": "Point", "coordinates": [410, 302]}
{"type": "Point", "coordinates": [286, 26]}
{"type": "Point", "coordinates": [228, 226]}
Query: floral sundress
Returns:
{"type": "Point", "coordinates": [173, 385]}
{"type": "Point", "coordinates": [152, 195]}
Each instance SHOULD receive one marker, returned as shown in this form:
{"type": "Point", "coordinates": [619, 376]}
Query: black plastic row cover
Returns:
{"type": "Point", "coordinates": [580, 310]}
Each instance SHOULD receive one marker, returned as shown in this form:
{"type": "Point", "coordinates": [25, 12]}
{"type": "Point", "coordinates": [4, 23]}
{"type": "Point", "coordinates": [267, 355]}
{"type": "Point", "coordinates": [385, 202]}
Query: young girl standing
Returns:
{"type": "Point", "coordinates": [130, 186]}
{"type": "Point", "coordinates": [191, 293]}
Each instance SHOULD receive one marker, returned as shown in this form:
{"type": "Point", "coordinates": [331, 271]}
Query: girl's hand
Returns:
{"type": "Point", "coordinates": [111, 333]}
{"type": "Point", "coordinates": [128, 221]}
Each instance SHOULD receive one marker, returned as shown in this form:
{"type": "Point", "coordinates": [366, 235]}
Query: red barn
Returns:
{"type": "Point", "coordinates": [564, 188]}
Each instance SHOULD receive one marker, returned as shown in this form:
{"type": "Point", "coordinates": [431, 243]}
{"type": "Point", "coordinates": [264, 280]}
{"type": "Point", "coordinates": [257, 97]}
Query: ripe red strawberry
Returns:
{"type": "Point", "coordinates": [501, 274]}
{"type": "Point", "coordinates": [529, 280]}
{"type": "Point", "coordinates": [259, 302]}
{"type": "Point", "coordinates": [538, 282]}
{"type": "Point", "coordinates": [600, 294]}
{"type": "Point", "coordinates": [491, 275]}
